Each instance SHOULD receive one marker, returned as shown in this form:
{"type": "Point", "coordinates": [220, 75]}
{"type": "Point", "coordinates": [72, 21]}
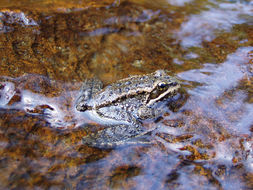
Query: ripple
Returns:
{"type": "Point", "coordinates": [202, 27]}
{"type": "Point", "coordinates": [58, 111]}
{"type": "Point", "coordinates": [215, 80]}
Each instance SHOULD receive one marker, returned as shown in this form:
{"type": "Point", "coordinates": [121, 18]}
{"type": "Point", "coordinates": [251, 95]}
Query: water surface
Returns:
{"type": "Point", "coordinates": [203, 140]}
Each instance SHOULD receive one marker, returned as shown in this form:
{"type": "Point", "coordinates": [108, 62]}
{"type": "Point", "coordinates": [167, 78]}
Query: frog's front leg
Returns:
{"type": "Point", "coordinates": [145, 112]}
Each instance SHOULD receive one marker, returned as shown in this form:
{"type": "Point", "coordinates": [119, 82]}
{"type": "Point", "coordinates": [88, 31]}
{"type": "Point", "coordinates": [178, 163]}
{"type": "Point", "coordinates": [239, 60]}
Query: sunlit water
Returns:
{"type": "Point", "coordinates": [205, 142]}
{"type": "Point", "coordinates": [205, 25]}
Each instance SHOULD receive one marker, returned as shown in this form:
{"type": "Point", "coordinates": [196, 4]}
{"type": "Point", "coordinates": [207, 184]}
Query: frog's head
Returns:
{"type": "Point", "coordinates": [163, 86]}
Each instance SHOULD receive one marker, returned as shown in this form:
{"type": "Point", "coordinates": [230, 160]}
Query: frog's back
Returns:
{"type": "Point", "coordinates": [130, 86]}
{"type": "Point", "coordinates": [124, 88]}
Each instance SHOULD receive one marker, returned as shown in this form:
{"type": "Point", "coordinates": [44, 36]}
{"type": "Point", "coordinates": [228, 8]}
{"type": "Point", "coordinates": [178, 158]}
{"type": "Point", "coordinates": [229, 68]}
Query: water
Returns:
{"type": "Point", "coordinates": [204, 140]}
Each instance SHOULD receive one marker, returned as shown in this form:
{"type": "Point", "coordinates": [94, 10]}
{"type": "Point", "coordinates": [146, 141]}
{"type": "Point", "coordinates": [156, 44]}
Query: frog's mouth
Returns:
{"type": "Point", "coordinates": [159, 95]}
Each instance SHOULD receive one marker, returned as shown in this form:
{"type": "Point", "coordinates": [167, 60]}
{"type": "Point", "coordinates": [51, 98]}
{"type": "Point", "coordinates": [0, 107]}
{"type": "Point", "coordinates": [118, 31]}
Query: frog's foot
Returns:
{"type": "Point", "coordinates": [117, 135]}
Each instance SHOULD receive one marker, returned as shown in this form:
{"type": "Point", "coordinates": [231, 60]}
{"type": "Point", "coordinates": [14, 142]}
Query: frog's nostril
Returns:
{"type": "Point", "coordinates": [81, 108]}
{"type": "Point", "coordinates": [174, 84]}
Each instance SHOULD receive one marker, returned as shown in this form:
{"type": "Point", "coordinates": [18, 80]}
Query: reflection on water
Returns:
{"type": "Point", "coordinates": [179, 2]}
{"type": "Point", "coordinates": [53, 102]}
{"type": "Point", "coordinates": [216, 80]}
{"type": "Point", "coordinates": [203, 141]}
{"type": "Point", "coordinates": [221, 99]}
{"type": "Point", "coordinates": [203, 26]}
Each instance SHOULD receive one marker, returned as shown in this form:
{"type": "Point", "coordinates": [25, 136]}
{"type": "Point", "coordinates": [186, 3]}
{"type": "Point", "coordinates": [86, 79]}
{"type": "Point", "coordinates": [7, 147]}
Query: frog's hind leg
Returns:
{"type": "Point", "coordinates": [89, 88]}
{"type": "Point", "coordinates": [117, 135]}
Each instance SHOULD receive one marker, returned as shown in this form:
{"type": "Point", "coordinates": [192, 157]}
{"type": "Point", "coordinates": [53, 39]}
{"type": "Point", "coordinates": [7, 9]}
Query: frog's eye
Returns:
{"type": "Point", "coordinates": [162, 85]}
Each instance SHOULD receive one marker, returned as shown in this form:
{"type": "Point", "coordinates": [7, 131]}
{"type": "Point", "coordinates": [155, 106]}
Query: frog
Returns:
{"type": "Point", "coordinates": [123, 105]}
